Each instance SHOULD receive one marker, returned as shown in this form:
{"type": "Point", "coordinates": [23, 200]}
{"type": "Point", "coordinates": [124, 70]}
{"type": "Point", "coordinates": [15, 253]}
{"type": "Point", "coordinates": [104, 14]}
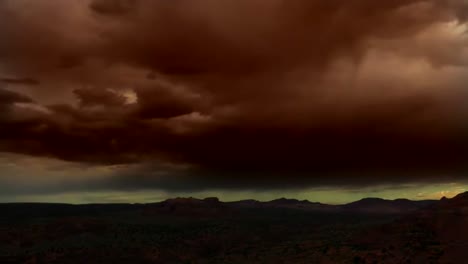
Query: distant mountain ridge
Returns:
{"type": "Point", "coordinates": [439, 230]}
{"type": "Point", "coordinates": [213, 206]}
{"type": "Point", "coordinates": [388, 206]}
{"type": "Point", "coordinates": [371, 230]}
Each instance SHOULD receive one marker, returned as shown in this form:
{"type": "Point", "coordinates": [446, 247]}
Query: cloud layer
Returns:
{"type": "Point", "coordinates": [239, 92]}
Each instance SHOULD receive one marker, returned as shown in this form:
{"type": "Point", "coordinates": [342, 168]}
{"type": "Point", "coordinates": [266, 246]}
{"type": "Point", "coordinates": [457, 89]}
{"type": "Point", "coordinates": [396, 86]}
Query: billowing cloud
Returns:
{"type": "Point", "coordinates": [19, 81]}
{"type": "Point", "coordinates": [239, 92]}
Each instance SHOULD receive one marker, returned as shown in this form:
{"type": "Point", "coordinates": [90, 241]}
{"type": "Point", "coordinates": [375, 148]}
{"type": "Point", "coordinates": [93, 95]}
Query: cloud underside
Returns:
{"type": "Point", "coordinates": [239, 93]}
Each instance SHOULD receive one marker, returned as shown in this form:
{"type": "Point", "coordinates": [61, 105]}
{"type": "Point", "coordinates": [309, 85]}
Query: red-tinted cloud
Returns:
{"type": "Point", "coordinates": [242, 90]}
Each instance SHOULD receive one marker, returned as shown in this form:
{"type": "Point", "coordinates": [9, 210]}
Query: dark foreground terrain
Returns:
{"type": "Point", "coordinates": [187, 230]}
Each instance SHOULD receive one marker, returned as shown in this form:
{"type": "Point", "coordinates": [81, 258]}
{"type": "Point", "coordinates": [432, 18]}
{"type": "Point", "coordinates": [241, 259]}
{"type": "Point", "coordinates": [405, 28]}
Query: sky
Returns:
{"type": "Point", "coordinates": [142, 100]}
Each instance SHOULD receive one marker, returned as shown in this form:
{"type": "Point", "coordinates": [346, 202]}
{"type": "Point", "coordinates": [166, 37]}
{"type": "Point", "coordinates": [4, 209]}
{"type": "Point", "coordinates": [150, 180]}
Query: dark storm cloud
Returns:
{"type": "Point", "coordinates": [19, 81]}
{"type": "Point", "coordinates": [93, 97]}
{"type": "Point", "coordinates": [113, 7]}
{"type": "Point", "coordinates": [243, 93]}
{"type": "Point", "coordinates": [159, 103]}
{"type": "Point", "coordinates": [232, 37]}
{"type": "Point", "coordinates": [8, 97]}
{"type": "Point", "coordinates": [187, 179]}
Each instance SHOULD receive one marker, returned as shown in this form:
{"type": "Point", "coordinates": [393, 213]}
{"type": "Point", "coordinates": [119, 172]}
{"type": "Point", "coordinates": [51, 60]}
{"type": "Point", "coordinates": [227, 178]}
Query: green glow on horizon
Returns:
{"type": "Point", "coordinates": [23, 177]}
{"type": "Point", "coordinates": [324, 195]}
